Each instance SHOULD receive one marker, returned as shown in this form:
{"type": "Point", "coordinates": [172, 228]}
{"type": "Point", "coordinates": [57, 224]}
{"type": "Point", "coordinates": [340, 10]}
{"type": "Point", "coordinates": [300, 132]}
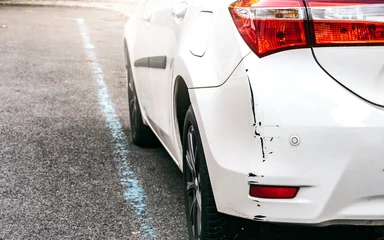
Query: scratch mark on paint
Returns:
{"type": "Point", "coordinates": [262, 147]}
{"type": "Point", "coordinates": [254, 175]}
{"type": "Point", "coordinates": [133, 192]}
{"type": "Point", "coordinates": [254, 120]}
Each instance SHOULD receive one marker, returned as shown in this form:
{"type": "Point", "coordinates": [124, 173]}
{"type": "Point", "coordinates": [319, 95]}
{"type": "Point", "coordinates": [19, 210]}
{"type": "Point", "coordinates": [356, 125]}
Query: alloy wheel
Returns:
{"type": "Point", "coordinates": [193, 184]}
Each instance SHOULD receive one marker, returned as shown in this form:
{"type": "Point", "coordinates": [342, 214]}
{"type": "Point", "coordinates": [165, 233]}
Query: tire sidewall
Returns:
{"type": "Point", "coordinates": [129, 75]}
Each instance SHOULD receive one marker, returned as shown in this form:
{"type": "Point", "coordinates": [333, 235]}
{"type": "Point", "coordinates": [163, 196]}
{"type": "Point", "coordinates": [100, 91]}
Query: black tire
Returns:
{"type": "Point", "coordinates": [214, 225]}
{"type": "Point", "coordinates": [142, 135]}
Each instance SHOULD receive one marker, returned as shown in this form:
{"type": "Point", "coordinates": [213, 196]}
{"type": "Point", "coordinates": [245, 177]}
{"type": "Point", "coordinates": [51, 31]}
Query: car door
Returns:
{"type": "Point", "coordinates": [139, 57]}
{"type": "Point", "coordinates": [166, 23]}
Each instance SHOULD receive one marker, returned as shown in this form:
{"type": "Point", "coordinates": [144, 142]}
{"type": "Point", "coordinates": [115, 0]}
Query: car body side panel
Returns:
{"type": "Point", "coordinates": [136, 35]}
{"type": "Point", "coordinates": [210, 70]}
{"type": "Point", "coordinates": [222, 53]}
{"type": "Point", "coordinates": [213, 66]}
{"type": "Point", "coordinates": [164, 39]}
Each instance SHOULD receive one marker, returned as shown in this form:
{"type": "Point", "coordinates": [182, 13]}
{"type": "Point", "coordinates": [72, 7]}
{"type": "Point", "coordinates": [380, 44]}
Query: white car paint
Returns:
{"type": "Point", "coordinates": [200, 34]}
{"type": "Point", "coordinates": [338, 164]}
{"type": "Point", "coordinates": [357, 68]}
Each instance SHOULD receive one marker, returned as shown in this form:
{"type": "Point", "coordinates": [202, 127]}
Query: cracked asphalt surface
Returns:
{"type": "Point", "coordinates": [59, 175]}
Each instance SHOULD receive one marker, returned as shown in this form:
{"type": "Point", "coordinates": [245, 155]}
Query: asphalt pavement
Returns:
{"type": "Point", "coordinates": [60, 174]}
{"type": "Point", "coordinates": [68, 169]}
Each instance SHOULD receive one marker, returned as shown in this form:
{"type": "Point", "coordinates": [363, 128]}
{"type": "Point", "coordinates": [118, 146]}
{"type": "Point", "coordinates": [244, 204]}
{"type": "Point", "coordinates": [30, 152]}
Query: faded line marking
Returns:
{"type": "Point", "coordinates": [133, 192]}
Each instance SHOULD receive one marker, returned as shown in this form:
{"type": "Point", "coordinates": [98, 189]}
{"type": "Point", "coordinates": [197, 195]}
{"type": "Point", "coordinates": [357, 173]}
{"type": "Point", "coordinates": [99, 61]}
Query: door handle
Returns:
{"type": "Point", "coordinates": [180, 10]}
{"type": "Point", "coordinates": [147, 16]}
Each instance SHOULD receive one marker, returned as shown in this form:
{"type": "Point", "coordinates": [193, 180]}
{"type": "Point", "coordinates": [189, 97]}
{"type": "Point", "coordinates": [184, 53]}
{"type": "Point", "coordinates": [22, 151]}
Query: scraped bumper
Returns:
{"type": "Point", "coordinates": [338, 164]}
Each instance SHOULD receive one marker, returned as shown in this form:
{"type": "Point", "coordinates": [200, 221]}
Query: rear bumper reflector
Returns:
{"type": "Point", "coordinates": [276, 192]}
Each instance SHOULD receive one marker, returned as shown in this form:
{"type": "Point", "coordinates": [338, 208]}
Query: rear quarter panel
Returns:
{"type": "Point", "coordinates": [224, 46]}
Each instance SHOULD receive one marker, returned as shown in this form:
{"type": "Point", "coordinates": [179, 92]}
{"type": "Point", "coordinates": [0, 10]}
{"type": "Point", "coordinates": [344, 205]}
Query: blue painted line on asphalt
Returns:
{"type": "Point", "coordinates": [133, 192]}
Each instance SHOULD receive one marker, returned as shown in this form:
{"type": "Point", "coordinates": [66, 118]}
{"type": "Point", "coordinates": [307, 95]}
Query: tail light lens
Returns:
{"type": "Point", "coordinates": [346, 23]}
{"type": "Point", "coordinates": [270, 26]}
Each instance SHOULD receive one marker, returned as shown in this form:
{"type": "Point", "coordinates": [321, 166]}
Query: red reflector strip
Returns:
{"type": "Point", "coordinates": [260, 191]}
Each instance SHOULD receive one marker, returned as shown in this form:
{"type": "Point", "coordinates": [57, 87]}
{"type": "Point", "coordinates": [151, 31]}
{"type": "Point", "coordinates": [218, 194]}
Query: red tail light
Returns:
{"type": "Point", "coordinates": [269, 26]}
{"type": "Point", "coordinates": [273, 192]}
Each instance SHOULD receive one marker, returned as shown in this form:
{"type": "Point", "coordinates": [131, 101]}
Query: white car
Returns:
{"type": "Point", "coordinates": [272, 109]}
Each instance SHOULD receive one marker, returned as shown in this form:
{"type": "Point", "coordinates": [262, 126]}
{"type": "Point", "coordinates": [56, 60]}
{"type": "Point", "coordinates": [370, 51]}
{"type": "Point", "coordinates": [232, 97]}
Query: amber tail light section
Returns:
{"type": "Point", "coordinates": [347, 22]}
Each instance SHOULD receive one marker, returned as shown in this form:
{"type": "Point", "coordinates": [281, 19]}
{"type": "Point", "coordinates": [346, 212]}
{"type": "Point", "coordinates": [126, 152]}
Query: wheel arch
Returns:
{"type": "Point", "coordinates": [181, 104]}
{"type": "Point", "coordinates": [129, 39]}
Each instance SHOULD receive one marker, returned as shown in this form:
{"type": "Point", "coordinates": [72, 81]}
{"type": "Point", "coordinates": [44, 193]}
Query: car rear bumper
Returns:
{"type": "Point", "coordinates": [338, 165]}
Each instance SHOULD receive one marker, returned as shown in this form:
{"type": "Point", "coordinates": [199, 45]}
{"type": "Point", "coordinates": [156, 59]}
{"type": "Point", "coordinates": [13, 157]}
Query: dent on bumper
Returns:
{"type": "Point", "coordinates": [338, 164]}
